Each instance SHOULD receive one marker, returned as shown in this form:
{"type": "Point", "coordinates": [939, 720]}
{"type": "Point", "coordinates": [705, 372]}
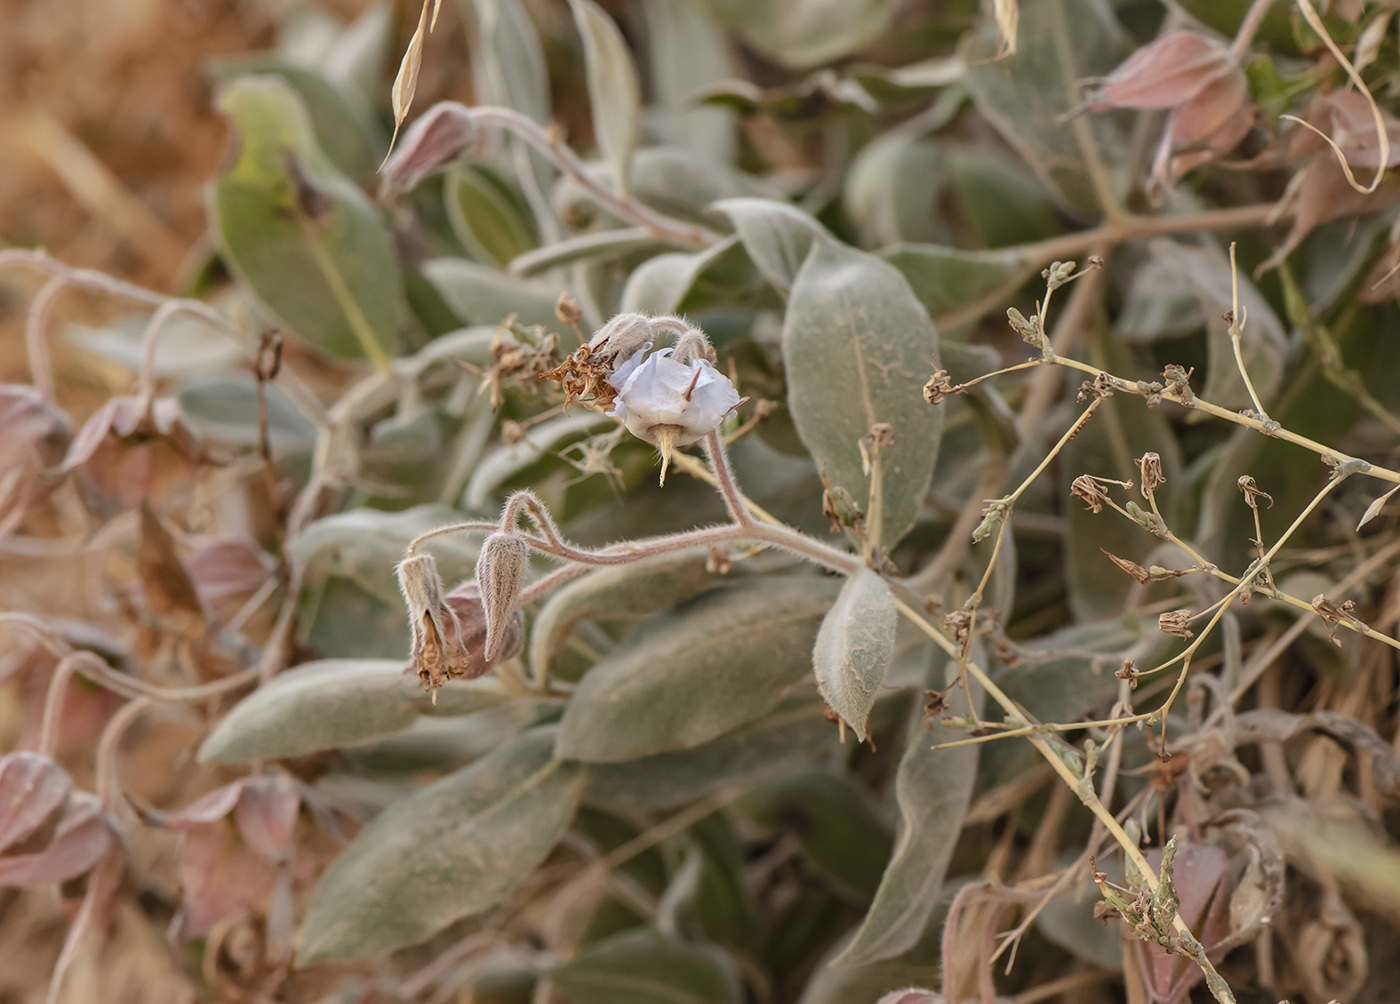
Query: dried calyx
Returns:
{"type": "Point", "coordinates": [450, 629]}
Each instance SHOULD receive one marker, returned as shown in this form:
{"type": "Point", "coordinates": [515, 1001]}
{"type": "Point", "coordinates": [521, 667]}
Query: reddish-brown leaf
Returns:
{"type": "Point", "coordinates": [168, 589]}
{"type": "Point", "coordinates": [1200, 876]}
{"type": "Point", "coordinates": [439, 135]}
{"type": "Point", "coordinates": [81, 839]}
{"type": "Point", "coordinates": [33, 794]}
{"type": "Point", "coordinates": [1165, 74]}
{"type": "Point", "coordinates": [266, 814]}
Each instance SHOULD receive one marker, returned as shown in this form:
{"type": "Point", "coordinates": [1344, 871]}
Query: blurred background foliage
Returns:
{"type": "Point", "coordinates": [674, 818]}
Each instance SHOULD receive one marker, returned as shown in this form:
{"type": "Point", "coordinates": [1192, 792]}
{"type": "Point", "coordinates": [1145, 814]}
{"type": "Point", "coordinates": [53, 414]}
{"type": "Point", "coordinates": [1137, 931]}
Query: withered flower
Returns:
{"type": "Point", "coordinates": [568, 311]}
{"type": "Point", "coordinates": [449, 629]}
{"type": "Point", "coordinates": [441, 133]}
{"type": "Point", "coordinates": [1090, 491]}
{"type": "Point", "coordinates": [1333, 614]}
{"type": "Point", "coordinates": [957, 625]}
{"type": "Point", "coordinates": [939, 386]}
{"type": "Point", "coordinates": [1252, 492]}
{"type": "Point", "coordinates": [586, 375]}
{"type": "Point", "coordinates": [1131, 567]}
{"type": "Point", "coordinates": [1150, 467]}
{"type": "Point", "coordinates": [1176, 622]}
{"type": "Point", "coordinates": [1128, 672]}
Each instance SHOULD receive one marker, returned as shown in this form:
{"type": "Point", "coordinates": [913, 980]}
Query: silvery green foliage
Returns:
{"type": "Point", "coordinates": [674, 670]}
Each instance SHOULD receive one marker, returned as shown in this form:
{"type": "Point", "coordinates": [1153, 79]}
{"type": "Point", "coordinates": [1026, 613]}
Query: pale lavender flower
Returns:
{"type": "Point", "coordinates": [670, 403]}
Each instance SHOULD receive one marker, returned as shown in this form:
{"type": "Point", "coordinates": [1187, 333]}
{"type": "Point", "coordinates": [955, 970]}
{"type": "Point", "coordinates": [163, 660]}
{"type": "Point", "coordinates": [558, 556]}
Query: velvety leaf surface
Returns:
{"type": "Point", "coordinates": [623, 592]}
{"type": "Point", "coordinates": [795, 733]}
{"type": "Point", "coordinates": [804, 33]}
{"type": "Point", "coordinates": [612, 88]}
{"type": "Point", "coordinates": [306, 241]}
{"type": "Point", "coordinates": [333, 703]}
{"type": "Point", "coordinates": [724, 658]}
{"type": "Point", "coordinates": [453, 849]}
{"type": "Point", "coordinates": [834, 823]}
{"type": "Point", "coordinates": [644, 966]}
{"type": "Point", "coordinates": [932, 789]}
{"type": "Point", "coordinates": [854, 648]}
{"type": "Point", "coordinates": [964, 284]}
{"type": "Point", "coordinates": [776, 235]}
{"type": "Point", "coordinates": [1061, 42]}
{"type": "Point", "coordinates": [858, 348]}
{"type": "Point", "coordinates": [479, 294]}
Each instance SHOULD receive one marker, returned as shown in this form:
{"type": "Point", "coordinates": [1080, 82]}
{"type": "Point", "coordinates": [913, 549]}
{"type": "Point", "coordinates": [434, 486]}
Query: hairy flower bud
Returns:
{"type": "Point", "coordinates": [449, 630]}
{"type": "Point", "coordinates": [500, 570]}
{"type": "Point", "coordinates": [621, 338]}
{"type": "Point", "coordinates": [670, 403]}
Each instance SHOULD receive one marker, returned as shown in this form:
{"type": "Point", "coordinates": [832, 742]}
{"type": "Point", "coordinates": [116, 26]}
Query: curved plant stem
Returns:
{"type": "Point", "coordinates": [549, 143]}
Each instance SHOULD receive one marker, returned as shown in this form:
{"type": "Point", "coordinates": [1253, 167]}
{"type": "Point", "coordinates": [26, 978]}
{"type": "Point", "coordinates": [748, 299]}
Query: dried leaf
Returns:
{"type": "Point", "coordinates": [166, 585]}
{"type": "Point", "coordinates": [406, 81]}
{"type": "Point", "coordinates": [1374, 509]}
{"type": "Point", "coordinates": [48, 832]}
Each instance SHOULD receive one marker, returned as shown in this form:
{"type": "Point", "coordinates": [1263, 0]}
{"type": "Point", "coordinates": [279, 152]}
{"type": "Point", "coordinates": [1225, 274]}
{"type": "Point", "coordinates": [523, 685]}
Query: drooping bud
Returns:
{"type": "Point", "coordinates": [441, 133]}
{"type": "Point", "coordinates": [500, 571]}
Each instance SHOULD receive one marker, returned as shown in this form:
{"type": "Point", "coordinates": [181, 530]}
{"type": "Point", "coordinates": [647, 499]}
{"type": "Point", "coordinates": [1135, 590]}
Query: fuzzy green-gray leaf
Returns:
{"type": "Point", "coordinates": [776, 235]}
{"type": "Point", "coordinates": [333, 703]}
{"type": "Point", "coordinates": [854, 648]}
{"type": "Point", "coordinates": [619, 592]}
{"type": "Point", "coordinates": [612, 88]}
{"type": "Point", "coordinates": [306, 241]}
{"type": "Point", "coordinates": [932, 788]}
{"type": "Point", "coordinates": [858, 348]}
{"type": "Point", "coordinates": [451, 850]}
{"type": "Point", "coordinates": [644, 966]}
{"type": "Point", "coordinates": [725, 658]}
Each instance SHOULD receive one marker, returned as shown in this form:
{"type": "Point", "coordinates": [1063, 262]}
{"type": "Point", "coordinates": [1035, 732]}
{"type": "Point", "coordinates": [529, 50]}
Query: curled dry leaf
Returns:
{"type": "Point", "coordinates": [406, 81]}
{"type": "Point", "coordinates": [227, 573]}
{"type": "Point", "coordinates": [234, 838]}
{"type": "Point", "coordinates": [1322, 191]}
{"type": "Point", "coordinates": [48, 832]}
{"type": "Point", "coordinates": [169, 591]}
{"type": "Point", "coordinates": [132, 450]}
{"type": "Point", "coordinates": [1203, 85]}
{"type": "Point", "coordinates": [33, 434]}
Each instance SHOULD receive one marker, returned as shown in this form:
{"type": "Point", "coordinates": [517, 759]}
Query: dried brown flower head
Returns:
{"type": "Point", "coordinates": [1150, 467]}
{"type": "Point", "coordinates": [1176, 622]}
{"type": "Point", "coordinates": [1086, 488]}
{"type": "Point", "coordinates": [939, 386]}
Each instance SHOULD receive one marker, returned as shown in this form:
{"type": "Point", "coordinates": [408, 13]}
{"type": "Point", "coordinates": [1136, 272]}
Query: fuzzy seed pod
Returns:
{"type": "Point", "coordinates": [500, 571]}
